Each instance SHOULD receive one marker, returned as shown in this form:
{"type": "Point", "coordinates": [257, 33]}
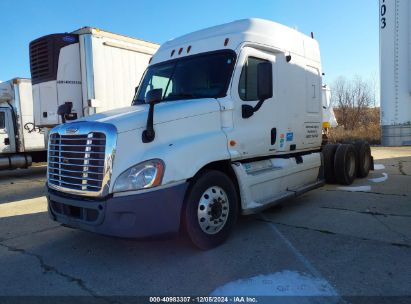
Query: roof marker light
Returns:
{"type": "Point", "coordinates": [172, 53]}
{"type": "Point", "coordinates": [179, 51]}
{"type": "Point", "coordinates": [226, 41]}
{"type": "Point", "coordinates": [188, 49]}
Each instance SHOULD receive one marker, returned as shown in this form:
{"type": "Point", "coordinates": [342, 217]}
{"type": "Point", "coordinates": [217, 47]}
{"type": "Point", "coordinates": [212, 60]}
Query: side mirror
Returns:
{"type": "Point", "coordinates": [154, 96]}
{"type": "Point", "coordinates": [264, 80]}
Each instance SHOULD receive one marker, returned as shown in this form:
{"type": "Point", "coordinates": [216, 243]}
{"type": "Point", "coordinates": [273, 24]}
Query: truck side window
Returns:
{"type": "Point", "coordinates": [247, 88]}
{"type": "Point", "coordinates": [159, 82]}
{"type": "Point", "coordinates": [2, 120]}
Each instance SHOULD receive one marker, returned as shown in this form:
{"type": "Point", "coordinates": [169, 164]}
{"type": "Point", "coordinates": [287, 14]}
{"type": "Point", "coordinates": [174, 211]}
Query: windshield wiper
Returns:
{"type": "Point", "coordinates": [138, 102]}
{"type": "Point", "coordinates": [179, 96]}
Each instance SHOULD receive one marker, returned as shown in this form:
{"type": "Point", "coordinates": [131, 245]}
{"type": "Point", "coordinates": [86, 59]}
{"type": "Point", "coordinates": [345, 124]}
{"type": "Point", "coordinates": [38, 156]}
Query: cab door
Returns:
{"type": "Point", "coordinates": [7, 138]}
{"type": "Point", "coordinates": [256, 135]}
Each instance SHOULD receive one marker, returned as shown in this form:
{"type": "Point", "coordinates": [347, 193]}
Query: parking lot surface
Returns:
{"type": "Point", "coordinates": [338, 242]}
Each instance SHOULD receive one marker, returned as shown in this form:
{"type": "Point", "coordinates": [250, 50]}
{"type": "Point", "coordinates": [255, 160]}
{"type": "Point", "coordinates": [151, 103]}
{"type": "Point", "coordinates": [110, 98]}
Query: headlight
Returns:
{"type": "Point", "coordinates": [142, 176]}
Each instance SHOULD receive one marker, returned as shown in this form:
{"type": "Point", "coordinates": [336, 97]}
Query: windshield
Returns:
{"type": "Point", "coordinates": [197, 76]}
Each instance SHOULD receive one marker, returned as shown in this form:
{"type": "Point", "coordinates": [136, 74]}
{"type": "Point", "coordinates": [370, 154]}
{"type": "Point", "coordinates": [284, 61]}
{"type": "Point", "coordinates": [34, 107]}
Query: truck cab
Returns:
{"type": "Point", "coordinates": [6, 131]}
{"type": "Point", "coordinates": [226, 120]}
{"type": "Point", "coordinates": [20, 141]}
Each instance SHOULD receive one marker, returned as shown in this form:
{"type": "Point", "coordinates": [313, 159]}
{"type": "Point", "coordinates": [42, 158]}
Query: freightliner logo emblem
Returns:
{"type": "Point", "coordinates": [71, 130]}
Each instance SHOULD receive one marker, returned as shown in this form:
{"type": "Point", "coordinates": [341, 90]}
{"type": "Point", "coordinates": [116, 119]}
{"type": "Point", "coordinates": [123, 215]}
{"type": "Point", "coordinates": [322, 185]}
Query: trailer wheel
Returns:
{"type": "Point", "coordinates": [345, 164]}
{"type": "Point", "coordinates": [363, 152]}
{"type": "Point", "coordinates": [211, 209]}
{"type": "Point", "coordinates": [329, 153]}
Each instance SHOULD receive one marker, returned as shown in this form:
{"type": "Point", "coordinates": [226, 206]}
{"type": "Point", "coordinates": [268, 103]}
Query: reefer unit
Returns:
{"type": "Point", "coordinates": [85, 72]}
{"type": "Point", "coordinates": [19, 138]}
{"type": "Point", "coordinates": [395, 71]}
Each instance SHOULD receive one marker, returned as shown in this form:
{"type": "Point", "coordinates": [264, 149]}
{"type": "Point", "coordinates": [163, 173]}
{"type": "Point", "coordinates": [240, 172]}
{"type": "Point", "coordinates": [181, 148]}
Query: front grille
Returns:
{"type": "Point", "coordinates": [77, 161]}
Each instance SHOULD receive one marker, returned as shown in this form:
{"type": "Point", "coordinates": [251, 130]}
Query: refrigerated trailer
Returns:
{"type": "Point", "coordinates": [84, 72]}
{"type": "Point", "coordinates": [226, 120]}
{"type": "Point", "coordinates": [20, 140]}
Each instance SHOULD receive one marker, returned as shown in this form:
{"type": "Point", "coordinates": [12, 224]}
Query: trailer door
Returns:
{"type": "Point", "coordinates": [7, 138]}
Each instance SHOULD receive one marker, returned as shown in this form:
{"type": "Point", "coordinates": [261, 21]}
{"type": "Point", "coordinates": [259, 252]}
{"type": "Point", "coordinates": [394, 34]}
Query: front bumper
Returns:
{"type": "Point", "coordinates": [134, 216]}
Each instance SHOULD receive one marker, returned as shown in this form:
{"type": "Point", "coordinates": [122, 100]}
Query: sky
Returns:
{"type": "Point", "coordinates": [347, 30]}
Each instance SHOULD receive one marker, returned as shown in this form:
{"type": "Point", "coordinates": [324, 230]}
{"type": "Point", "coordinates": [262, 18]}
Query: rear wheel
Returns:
{"type": "Point", "coordinates": [345, 165]}
{"type": "Point", "coordinates": [329, 153]}
{"type": "Point", "coordinates": [363, 153]}
{"type": "Point", "coordinates": [211, 209]}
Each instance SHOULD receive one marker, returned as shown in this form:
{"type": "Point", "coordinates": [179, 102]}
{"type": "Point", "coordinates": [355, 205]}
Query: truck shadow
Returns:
{"type": "Point", "coordinates": [162, 266]}
{"type": "Point", "coordinates": [22, 184]}
{"type": "Point", "coordinates": [39, 171]}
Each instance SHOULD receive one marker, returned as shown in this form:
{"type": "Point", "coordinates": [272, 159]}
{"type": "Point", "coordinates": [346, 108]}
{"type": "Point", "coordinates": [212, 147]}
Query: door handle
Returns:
{"type": "Point", "coordinates": [7, 141]}
{"type": "Point", "coordinates": [273, 136]}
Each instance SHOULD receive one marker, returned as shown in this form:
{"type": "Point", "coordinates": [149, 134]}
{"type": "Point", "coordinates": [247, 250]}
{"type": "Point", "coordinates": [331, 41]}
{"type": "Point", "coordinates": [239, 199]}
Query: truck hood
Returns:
{"type": "Point", "coordinates": [135, 117]}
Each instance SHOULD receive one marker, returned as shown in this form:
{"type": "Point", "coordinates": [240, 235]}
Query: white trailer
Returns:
{"type": "Point", "coordinates": [20, 140]}
{"type": "Point", "coordinates": [85, 72]}
{"type": "Point", "coordinates": [395, 72]}
{"type": "Point", "coordinates": [226, 120]}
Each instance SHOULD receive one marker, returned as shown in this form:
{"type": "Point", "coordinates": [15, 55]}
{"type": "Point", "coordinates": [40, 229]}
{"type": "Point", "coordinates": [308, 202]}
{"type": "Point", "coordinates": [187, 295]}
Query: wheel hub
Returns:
{"type": "Point", "coordinates": [216, 209]}
{"type": "Point", "coordinates": [213, 210]}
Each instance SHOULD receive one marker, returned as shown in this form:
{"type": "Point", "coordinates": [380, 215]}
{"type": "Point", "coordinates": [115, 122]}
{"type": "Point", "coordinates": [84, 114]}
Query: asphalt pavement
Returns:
{"type": "Point", "coordinates": [347, 244]}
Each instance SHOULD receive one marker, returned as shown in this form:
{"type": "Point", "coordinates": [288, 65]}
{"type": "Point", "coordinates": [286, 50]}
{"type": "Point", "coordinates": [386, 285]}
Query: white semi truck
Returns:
{"type": "Point", "coordinates": [20, 141]}
{"type": "Point", "coordinates": [226, 120]}
{"type": "Point", "coordinates": [85, 72]}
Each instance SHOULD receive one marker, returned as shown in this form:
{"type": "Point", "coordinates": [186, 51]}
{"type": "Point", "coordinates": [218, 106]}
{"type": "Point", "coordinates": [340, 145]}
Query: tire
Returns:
{"type": "Point", "coordinates": [211, 202]}
{"type": "Point", "coordinates": [345, 164]}
{"type": "Point", "coordinates": [364, 161]}
{"type": "Point", "coordinates": [328, 154]}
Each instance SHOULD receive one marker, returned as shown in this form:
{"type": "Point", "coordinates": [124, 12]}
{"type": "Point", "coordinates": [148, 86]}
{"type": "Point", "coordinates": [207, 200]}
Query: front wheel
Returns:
{"type": "Point", "coordinates": [211, 209]}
